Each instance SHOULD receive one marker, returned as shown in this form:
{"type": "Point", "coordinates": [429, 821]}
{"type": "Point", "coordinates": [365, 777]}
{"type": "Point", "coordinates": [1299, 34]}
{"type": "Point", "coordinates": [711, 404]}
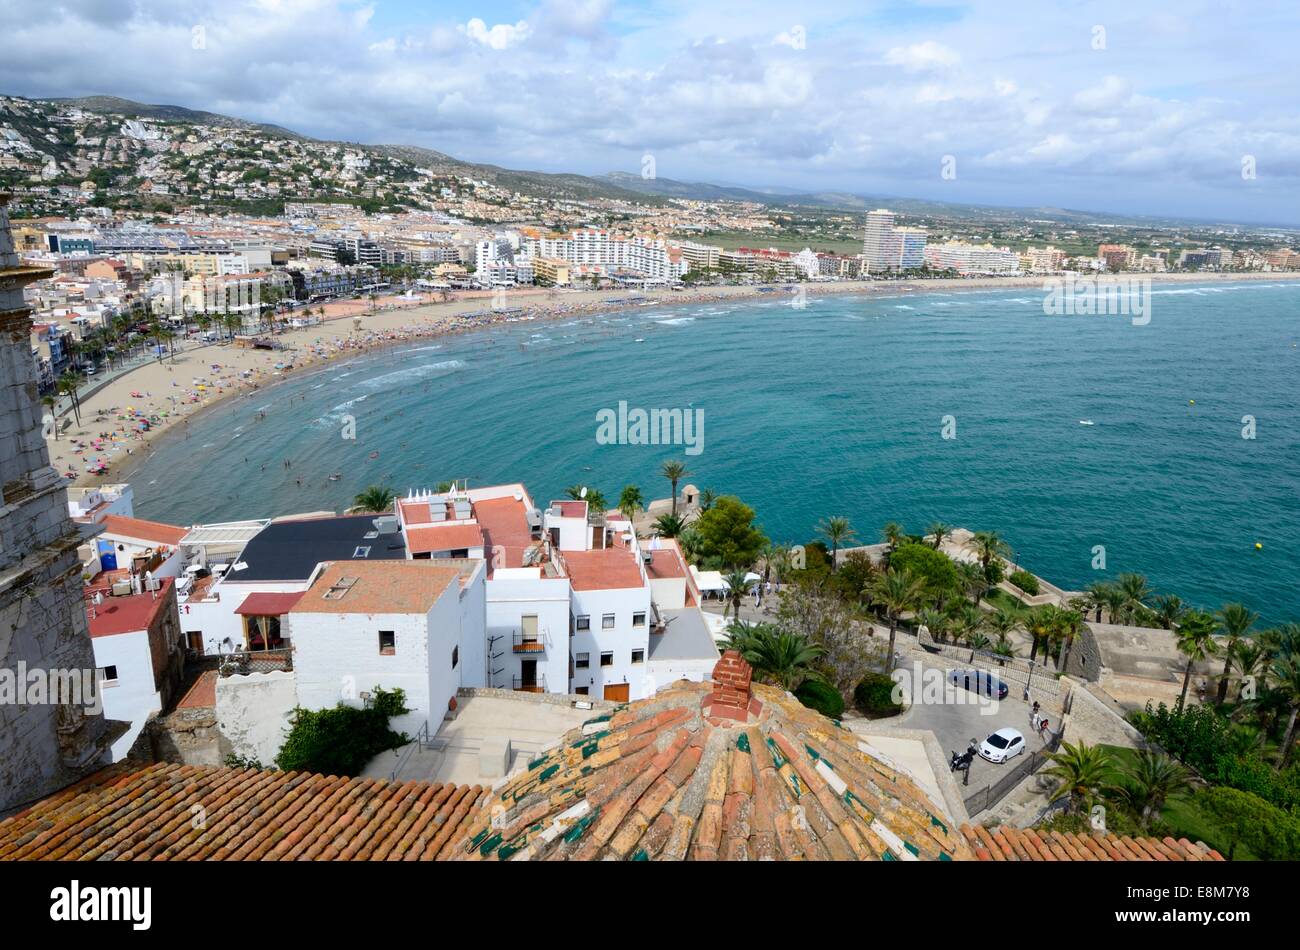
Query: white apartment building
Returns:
{"type": "Point", "coordinates": [972, 258]}
{"type": "Point", "coordinates": [395, 624]}
{"type": "Point", "coordinates": [611, 253]}
{"type": "Point", "coordinates": [887, 247]}
{"type": "Point", "coordinates": [571, 601]}
{"type": "Point", "coordinates": [1042, 260]}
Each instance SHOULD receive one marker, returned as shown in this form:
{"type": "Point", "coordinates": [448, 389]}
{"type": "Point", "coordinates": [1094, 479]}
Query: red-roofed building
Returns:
{"type": "Point", "coordinates": [139, 653]}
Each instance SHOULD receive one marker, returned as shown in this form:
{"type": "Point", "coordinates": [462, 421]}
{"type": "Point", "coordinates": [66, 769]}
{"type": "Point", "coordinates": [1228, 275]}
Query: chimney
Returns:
{"type": "Point", "coordinates": [731, 697]}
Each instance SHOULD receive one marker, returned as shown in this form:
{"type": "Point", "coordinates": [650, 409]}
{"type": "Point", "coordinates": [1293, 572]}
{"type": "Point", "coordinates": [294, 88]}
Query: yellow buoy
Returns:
{"type": "Point", "coordinates": [1258, 546]}
{"type": "Point", "coordinates": [1191, 402]}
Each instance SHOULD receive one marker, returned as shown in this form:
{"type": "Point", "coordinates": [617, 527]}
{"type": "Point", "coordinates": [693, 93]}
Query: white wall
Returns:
{"type": "Point", "coordinates": [621, 640]}
{"type": "Point", "coordinates": [512, 594]}
{"type": "Point", "coordinates": [254, 712]}
{"type": "Point", "coordinates": [336, 658]}
{"type": "Point", "coordinates": [217, 620]}
{"type": "Point", "coordinates": [133, 697]}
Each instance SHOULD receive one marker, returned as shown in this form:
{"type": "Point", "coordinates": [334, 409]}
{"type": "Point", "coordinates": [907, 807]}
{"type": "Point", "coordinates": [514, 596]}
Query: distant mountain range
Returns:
{"type": "Point", "coordinates": [632, 187]}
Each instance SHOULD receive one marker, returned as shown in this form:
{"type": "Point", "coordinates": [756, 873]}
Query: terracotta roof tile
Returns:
{"type": "Point", "coordinates": [1029, 844]}
{"type": "Point", "coordinates": [125, 813]}
{"type": "Point", "coordinates": [662, 779]}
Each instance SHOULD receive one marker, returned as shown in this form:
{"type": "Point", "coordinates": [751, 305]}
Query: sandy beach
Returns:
{"type": "Point", "coordinates": [120, 420]}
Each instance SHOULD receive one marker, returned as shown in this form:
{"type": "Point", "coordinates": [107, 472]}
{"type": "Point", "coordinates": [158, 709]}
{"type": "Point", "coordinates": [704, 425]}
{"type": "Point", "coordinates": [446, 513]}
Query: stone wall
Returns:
{"type": "Point", "coordinates": [254, 713]}
{"type": "Point", "coordinates": [1092, 719]}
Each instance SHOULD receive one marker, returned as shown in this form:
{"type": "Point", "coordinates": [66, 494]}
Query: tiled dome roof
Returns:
{"type": "Point", "coordinates": [710, 771]}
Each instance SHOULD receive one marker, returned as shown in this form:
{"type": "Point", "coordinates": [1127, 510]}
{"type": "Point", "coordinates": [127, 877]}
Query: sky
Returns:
{"type": "Point", "coordinates": [1182, 109]}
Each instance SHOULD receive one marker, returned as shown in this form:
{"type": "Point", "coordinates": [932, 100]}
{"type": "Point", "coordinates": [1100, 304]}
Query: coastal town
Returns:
{"type": "Point", "coordinates": [645, 433]}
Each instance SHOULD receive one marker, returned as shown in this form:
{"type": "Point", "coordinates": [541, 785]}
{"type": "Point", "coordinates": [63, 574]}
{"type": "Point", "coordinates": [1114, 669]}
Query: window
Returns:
{"type": "Point", "coordinates": [580, 690]}
{"type": "Point", "coordinates": [387, 642]}
{"type": "Point", "coordinates": [638, 619]}
{"type": "Point", "coordinates": [582, 623]}
{"type": "Point", "coordinates": [607, 622]}
{"type": "Point", "coordinates": [455, 657]}
{"type": "Point", "coordinates": [607, 659]}
{"type": "Point", "coordinates": [638, 656]}
{"type": "Point", "coordinates": [582, 661]}
{"type": "Point", "coordinates": [108, 675]}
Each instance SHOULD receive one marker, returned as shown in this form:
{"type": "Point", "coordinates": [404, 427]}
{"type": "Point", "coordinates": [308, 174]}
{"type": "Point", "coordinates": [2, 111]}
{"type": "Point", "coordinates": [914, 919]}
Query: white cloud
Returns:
{"type": "Point", "coordinates": [922, 56]}
{"type": "Point", "coordinates": [501, 36]}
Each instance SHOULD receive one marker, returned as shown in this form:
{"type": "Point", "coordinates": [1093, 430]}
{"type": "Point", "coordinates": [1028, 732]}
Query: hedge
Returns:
{"type": "Point", "coordinates": [823, 697]}
{"type": "Point", "coordinates": [1025, 581]}
{"type": "Point", "coordinates": [874, 696]}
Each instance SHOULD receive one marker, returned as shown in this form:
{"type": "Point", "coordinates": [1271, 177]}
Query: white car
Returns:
{"type": "Point", "coordinates": [1002, 745]}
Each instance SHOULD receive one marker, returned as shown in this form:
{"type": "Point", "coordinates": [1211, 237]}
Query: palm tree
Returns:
{"type": "Point", "coordinates": [1235, 621]}
{"type": "Point", "coordinates": [1196, 642]}
{"type": "Point", "coordinates": [669, 526]}
{"type": "Point", "coordinates": [1151, 780]}
{"type": "Point", "coordinates": [939, 532]}
{"type": "Point", "coordinates": [1040, 623]}
{"type": "Point", "coordinates": [1136, 592]}
{"type": "Point", "coordinates": [935, 621]}
{"type": "Point", "coordinates": [49, 402]}
{"type": "Point", "coordinates": [968, 623]}
{"type": "Point", "coordinates": [892, 534]}
{"type": "Point", "coordinates": [674, 471]}
{"type": "Point", "coordinates": [972, 580]}
{"type": "Point", "coordinates": [1286, 679]}
{"type": "Point", "coordinates": [1081, 771]}
{"type": "Point", "coordinates": [897, 591]}
{"type": "Point", "coordinates": [1251, 662]}
{"type": "Point", "coordinates": [989, 546]}
{"type": "Point", "coordinates": [778, 656]}
{"type": "Point", "coordinates": [1115, 601]}
{"type": "Point", "coordinates": [692, 546]}
{"type": "Point", "coordinates": [69, 384]}
{"type": "Point", "coordinates": [1069, 623]}
{"type": "Point", "coordinates": [836, 530]}
{"type": "Point", "coordinates": [376, 498]}
{"type": "Point", "coordinates": [1003, 621]}
{"type": "Point", "coordinates": [630, 501]}
{"type": "Point", "coordinates": [592, 496]}
{"type": "Point", "coordinates": [707, 497]}
{"type": "Point", "coordinates": [1169, 610]}
{"type": "Point", "coordinates": [736, 585]}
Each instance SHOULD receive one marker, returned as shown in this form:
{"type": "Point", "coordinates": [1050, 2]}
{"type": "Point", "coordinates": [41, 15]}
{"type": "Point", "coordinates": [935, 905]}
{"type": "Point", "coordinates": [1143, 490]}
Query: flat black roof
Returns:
{"type": "Point", "coordinates": [290, 550]}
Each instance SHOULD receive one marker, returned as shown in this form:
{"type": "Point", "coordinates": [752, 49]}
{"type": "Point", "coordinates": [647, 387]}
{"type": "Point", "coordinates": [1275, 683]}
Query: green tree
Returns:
{"type": "Point", "coordinates": [1246, 819]}
{"type": "Point", "coordinates": [837, 531]}
{"type": "Point", "coordinates": [1235, 622]}
{"type": "Point", "coordinates": [785, 659]}
{"type": "Point", "coordinates": [377, 498]}
{"type": "Point", "coordinates": [674, 471]}
{"type": "Point", "coordinates": [630, 501]}
{"type": "Point", "coordinates": [897, 592]}
{"type": "Point", "coordinates": [669, 526]}
{"type": "Point", "coordinates": [1148, 782]}
{"type": "Point", "coordinates": [1081, 772]}
{"type": "Point", "coordinates": [939, 532]}
{"type": "Point", "coordinates": [737, 585]}
{"type": "Point", "coordinates": [728, 535]}
{"type": "Point", "coordinates": [989, 547]}
{"type": "Point", "coordinates": [1196, 642]}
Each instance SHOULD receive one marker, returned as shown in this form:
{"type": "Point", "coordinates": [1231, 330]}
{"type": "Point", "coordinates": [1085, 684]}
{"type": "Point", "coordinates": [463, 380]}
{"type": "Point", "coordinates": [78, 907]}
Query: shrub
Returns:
{"type": "Point", "coordinates": [340, 741]}
{"type": "Point", "coordinates": [1025, 581]}
{"type": "Point", "coordinates": [874, 696]}
{"type": "Point", "coordinates": [822, 697]}
{"type": "Point", "coordinates": [924, 561]}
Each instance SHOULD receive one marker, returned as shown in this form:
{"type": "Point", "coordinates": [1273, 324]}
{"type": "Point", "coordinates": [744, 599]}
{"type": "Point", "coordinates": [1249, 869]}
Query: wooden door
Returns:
{"type": "Point", "coordinates": [617, 692]}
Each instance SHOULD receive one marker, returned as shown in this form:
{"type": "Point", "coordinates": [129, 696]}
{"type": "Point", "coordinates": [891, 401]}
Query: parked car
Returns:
{"type": "Point", "coordinates": [979, 681]}
{"type": "Point", "coordinates": [1002, 745]}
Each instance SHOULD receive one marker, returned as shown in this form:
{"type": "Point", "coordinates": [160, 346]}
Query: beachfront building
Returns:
{"type": "Point", "coordinates": [972, 259]}
{"type": "Point", "coordinates": [1117, 257]}
{"type": "Point", "coordinates": [1042, 260]}
{"type": "Point", "coordinates": [768, 263]}
{"type": "Point", "coordinates": [139, 651]}
{"type": "Point", "coordinates": [143, 547]}
{"type": "Point", "coordinates": [606, 253]}
{"type": "Point", "coordinates": [888, 247]}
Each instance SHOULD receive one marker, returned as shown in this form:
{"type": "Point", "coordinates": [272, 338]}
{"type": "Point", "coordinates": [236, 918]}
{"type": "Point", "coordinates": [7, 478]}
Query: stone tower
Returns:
{"type": "Point", "coordinates": [51, 734]}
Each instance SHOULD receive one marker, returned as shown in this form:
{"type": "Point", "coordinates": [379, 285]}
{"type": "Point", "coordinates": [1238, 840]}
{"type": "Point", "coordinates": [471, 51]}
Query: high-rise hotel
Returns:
{"type": "Point", "coordinates": [887, 247]}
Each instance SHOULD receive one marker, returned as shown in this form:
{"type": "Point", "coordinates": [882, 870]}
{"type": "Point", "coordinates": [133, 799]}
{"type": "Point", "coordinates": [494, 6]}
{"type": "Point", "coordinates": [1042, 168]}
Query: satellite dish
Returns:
{"type": "Point", "coordinates": [583, 493]}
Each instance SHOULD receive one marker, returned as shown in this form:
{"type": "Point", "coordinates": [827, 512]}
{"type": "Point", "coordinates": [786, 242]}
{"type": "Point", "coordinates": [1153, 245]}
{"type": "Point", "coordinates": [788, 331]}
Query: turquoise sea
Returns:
{"type": "Point", "coordinates": [835, 409]}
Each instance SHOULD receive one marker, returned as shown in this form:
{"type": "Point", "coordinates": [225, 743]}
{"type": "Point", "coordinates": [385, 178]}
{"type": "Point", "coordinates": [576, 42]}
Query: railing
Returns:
{"type": "Point", "coordinates": [256, 661]}
{"type": "Point", "coordinates": [529, 643]}
{"type": "Point", "coordinates": [990, 795]}
{"type": "Point", "coordinates": [535, 685]}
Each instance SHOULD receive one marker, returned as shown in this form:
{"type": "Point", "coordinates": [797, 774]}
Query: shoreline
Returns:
{"type": "Point", "coordinates": [125, 420]}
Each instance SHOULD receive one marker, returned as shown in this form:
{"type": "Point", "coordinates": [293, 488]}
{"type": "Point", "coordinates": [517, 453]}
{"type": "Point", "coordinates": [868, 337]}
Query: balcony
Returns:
{"type": "Point", "coordinates": [255, 661]}
{"type": "Point", "coordinates": [529, 643]}
{"type": "Point", "coordinates": [536, 684]}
